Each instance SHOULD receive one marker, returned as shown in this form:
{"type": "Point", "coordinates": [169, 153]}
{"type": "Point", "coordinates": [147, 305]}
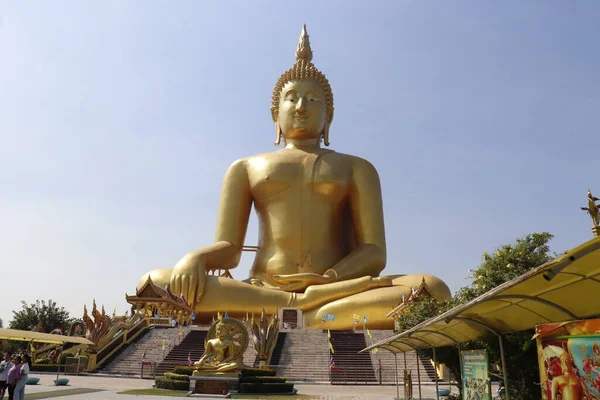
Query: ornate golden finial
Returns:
{"type": "Point", "coordinates": [303, 51]}
{"type": "Point", "coordinates": [594, 212]}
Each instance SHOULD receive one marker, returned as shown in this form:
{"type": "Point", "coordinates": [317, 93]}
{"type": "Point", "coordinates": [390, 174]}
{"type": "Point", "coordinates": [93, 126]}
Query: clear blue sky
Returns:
{"type": "Point", "coordinates": [118, 120]}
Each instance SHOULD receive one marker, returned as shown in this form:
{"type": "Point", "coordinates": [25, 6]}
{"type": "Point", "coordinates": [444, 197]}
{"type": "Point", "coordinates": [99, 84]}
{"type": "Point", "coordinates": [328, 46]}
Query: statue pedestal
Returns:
{"type": "Point", "coordinates": [596, 230]}
{"type": "Point", "coordinates": [206, 382]}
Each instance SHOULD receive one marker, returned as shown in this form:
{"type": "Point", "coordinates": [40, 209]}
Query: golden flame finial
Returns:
{"type": "Point", "coordinates": [303, 51]}
{"type": "Point", "coordinates": [593, 210]}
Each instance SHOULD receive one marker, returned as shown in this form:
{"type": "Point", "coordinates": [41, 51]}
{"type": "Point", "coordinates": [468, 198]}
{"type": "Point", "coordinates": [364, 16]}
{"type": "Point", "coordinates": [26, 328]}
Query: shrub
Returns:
{"type": "Point", "coordinates": [172, 384]}
{"type": "Point", "coordinates": [258, 372]}
{"type": "Point", "coordinates": [263, 379]}
{"type": "Point", "coordinates": [177, 377]}
{"type": "Point", "coordinates": [44, 367]}
{"type": "Point", "coordinates": [266, 387]}
{"type": "Point", "coordinates": [63, 357]}
{"type": "Point", "coordinates": [184, 370]}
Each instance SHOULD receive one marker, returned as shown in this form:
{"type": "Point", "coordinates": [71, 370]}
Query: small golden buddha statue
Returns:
{"type": "Point", "coordinates": [221, 354]}
{"type": "Point", "coordinates": [322, 239]}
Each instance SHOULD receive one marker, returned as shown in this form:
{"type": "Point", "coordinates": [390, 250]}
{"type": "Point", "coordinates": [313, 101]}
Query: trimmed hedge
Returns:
{"type": "Point", "coordinates": [263, 379]}
{"type": "Point", "coordinates": [184, 370]}
{"type": "Point", "coordinates": [266, 387]}
{"type": "Point", "coordinates": [172, 384]}
{"type": "Point", "coordinates": [258, 372]}
{"type": "Point", "coordinates": [45, 367]}
{"type": "Point", "coordinates": [177, 377]}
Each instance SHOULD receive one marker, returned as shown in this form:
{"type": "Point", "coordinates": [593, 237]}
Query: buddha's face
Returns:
{"type": "Point", "coordinates": [221, 330]}
{"type": "Point", "coordinates": [302, 110]}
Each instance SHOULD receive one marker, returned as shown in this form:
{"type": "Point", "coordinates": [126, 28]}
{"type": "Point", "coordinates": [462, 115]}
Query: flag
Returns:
{"type": "Point", "coordinates": [190, 358]}
{"type": "Point", "coordinates": [356, 318]}
{"type": "Point", "coordinates": [332, 365]}
{"type": "Point", "coordinates": [31, 348]}
{"type": "Point", "coordinates": [374, 350]}
{"type": "Point", "coordinates": [144, 355]}
{"type": "Point", "coordinates": [180, 331]}
{"type": "Point", "coordinates": [331, 347]}
{"type": "Point", "coordinates": [164, 344]}
{"type": "Point", "coordinates": [328, 334]}
{"type": "Point", "coordinates": [379, 363]}
{"type": "Point", "coordinates": [226, 314]}
{"type": "Point", "coordinates": [115, 311]}
{"type": "Point", "coordinates": [364, 319]}
{"type": "Point", "coordinates": [369, 334]}
{"type": "Point", "coordinates": [219, 316]}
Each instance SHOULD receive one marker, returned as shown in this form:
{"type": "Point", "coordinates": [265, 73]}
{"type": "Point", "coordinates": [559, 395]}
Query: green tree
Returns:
{"type": "Point", "coordinates": [506, 263]}
{"type": "Point", "coordinates": [40, 314]}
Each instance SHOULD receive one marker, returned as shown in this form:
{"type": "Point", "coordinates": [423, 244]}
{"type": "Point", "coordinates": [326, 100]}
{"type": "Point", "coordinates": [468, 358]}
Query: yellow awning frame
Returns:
{"type": "Point", "coordinates": [552, 292]}
{"type": "Point", "coordinates": [38, 337]}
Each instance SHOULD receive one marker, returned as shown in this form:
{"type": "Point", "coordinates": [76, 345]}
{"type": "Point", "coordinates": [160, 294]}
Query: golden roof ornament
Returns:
{"type": "Point", "coordinates": [304, 69]}
{"type": "Point", "coordinates": [594, 212]}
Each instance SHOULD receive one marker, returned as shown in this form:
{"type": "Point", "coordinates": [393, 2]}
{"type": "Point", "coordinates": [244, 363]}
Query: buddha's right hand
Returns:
{"type": "Point", "coordinates": [188, 277]}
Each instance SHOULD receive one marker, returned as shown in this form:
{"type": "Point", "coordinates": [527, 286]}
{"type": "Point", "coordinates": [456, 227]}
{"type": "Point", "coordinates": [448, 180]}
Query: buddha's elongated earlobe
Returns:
{"type": "Point", "coordinates": [326, 135]}
{"type": "Point", "coordinates": [278, 133]}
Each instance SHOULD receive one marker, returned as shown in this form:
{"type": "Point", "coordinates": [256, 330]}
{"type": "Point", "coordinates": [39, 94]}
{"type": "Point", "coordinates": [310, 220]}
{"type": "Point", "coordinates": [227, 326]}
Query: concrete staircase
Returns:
{"type": "Point", "coordinates": [129, 360]}
{"type": "Point", "coordinates": [250, 354]}
{"type": "Point", "coordinates": [305, 356]}
{"type": "Point", "coordinates": [193, 343]}
{"type": "Point", "coordinates": [350, 365]}
{"type": "Point", "coordinates": [413, 362]}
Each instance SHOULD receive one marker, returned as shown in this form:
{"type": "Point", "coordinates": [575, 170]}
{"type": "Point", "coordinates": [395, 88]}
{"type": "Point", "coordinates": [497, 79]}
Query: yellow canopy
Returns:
{"type": "Point", "coordinates": [38, 337]}
{"type": "Point", "coordinates": [563, 289]}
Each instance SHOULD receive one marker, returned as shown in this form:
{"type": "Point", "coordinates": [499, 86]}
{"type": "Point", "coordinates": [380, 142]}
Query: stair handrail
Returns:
{"type": "Point", "coordinates": [185, 330]}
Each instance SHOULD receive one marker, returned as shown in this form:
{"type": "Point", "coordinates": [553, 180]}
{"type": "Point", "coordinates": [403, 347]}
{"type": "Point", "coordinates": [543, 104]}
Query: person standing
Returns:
{"type": "Point", "coordinates": [13, 376]}
{"type": "Point", "coordinates": [23, 376]}
{"type": "Point", "coordinates": [5, 366]}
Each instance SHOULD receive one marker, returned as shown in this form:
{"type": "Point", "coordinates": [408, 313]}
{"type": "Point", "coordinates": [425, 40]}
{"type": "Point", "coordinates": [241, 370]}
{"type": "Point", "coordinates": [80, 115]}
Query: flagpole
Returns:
{"type": "Point", "coordinates": [397, 387]}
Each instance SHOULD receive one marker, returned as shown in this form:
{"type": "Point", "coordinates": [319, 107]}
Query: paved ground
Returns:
{"type": "Point", "coordinates": [109, 386]}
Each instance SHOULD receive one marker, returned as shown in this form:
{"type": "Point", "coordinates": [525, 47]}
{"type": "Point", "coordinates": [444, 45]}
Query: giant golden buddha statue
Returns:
{"type": "Point", "coordinates": [321, 243]}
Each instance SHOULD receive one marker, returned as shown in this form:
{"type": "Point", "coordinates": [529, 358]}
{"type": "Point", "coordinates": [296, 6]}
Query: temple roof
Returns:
{"type": "Point", "coordinates": [421, 292]}
{"type": "Point", "coordinates": [152, 293]}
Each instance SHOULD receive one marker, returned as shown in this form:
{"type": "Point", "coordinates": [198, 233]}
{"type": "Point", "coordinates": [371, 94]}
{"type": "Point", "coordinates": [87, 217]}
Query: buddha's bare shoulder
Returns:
{"type": "Point", "coordinates": [358, 164]}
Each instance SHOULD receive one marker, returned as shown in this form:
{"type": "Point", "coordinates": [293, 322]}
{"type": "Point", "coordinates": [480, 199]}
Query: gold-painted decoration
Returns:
{"type": "Point", "coordinates": [264, 334]}
{"type": "Point", "coordinates": [593, 210]}
{"type": "Point", "coordinates": [224, 347]}
{"type": "Point", "coordinates": [101, 328]}
{"type": "Point", "coordinates": [321, 245]}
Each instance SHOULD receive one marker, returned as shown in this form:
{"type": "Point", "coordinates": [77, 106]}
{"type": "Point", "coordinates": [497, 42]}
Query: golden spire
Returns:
{"type": "Point", "coordinates": [303, 51]}
{"type": "Point", "coordinates": [594, 212]}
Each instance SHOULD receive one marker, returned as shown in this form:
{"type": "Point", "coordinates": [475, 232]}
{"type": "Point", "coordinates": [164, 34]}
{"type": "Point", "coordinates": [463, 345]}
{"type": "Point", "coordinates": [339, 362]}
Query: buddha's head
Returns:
{"type": "Point", "coordinates": [302, 103]}
{"type": "Point", "coordinates": [221, 330]}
